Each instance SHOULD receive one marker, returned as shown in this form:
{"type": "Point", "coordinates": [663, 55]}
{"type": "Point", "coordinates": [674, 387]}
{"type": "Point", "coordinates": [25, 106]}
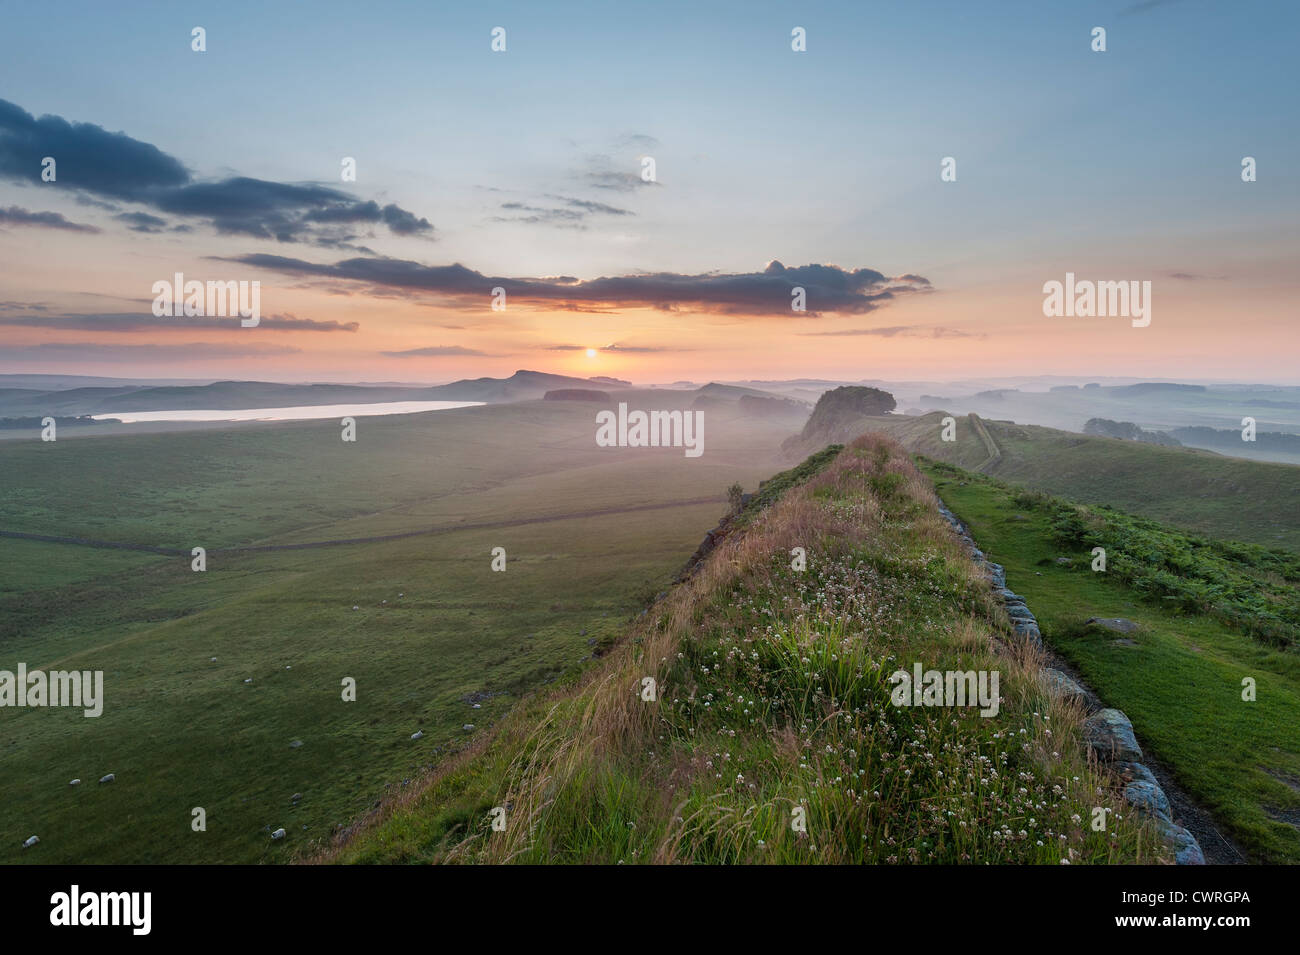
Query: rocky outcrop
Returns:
{"type": "Point", "coordinates": [1107, 731]}
{"type": "Point", "coordinates": [840, 415]}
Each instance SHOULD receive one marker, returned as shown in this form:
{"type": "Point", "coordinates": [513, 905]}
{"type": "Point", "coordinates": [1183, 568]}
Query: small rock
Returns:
{"type": "Point", "coordinates": [468, 727]}
{"type": "Point", "coordinates": [1117, 624]}
{"type": "Point", "coordinates": [249, 680]}
{"type": "Point", "coordinates": [295, 797]}
{"type": "Point", "coordinates": [214, 660]}
{"type": "Point", "coordinates": [107, 779]}
{"type": "Point", "coordinates": [418, 734]}
{"type": "Point", "coordinates": [1109, 734]}
{"type": "Point", "coordinates": [278, 834]}
{"type": "Point", "coordinates": [1187, 851]}
{"type": "Point", "coordinates": [31, 842]}
{"type": "Point", "coordinates": [1027, 629]}
{"type": "Point", "coordinates": [75, 782]}
{"type": "Point", "coordinates": [401, 595]}
{"type": "Point", "coordinates": [354, 607]}
{"type": "Point", "coordinates": [478, 706]}
{"type": "Point", "coordinates": [1143, 792]}
{"type": "Point", "coordinates": [295, 744]}
{"type": "Point", "coordinates": [1063, 685]}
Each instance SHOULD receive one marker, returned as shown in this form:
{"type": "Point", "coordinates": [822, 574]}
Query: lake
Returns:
{"type": "Point", "coordinates": [297, 413]}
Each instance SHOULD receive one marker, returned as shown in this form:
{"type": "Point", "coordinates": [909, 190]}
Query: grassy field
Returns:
{"type": "Point", "coordinates": [1178, 677]}
{"type": "Point", "coordinates": [1229, 498]}
{"type": "Point", "coordinates": [771, 737]}
{"type": "Point", "coordinates": [181, 730]}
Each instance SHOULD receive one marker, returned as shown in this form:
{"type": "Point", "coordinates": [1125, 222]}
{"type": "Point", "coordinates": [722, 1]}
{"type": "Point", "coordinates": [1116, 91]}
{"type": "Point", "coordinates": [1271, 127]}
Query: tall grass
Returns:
{"type": "Point", "coordinates": [772, 737]}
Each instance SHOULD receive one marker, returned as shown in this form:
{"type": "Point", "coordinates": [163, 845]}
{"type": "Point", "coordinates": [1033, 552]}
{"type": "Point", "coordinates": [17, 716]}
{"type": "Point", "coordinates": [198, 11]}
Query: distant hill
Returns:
{"type": "Point", "coordinates": [1230, 440]}
{"type": "Point", "coordinates": [523, 385]}
{"type": "Point", "coordinates": [715, 390]}
{"type": "Point", "coordinates": [766, 407]}
{"type": "Point", "coordinates": [1156, 388]}
{"type": "Point", "coordinates": [1127, 431]}
{"type": "Point", "coordinates": [576, 394]}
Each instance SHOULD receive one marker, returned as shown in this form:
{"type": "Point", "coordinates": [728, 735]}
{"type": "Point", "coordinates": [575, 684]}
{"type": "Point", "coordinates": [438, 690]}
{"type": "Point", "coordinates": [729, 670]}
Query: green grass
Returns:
{"type": "Point", "coordinates": [1181, 684]}
{"type": "Point", "coordinates": [181, 731]}
{"type": "Point", "coordinates": [1226, 498]}
{"type": "Point", "coordinates": [774, 698]}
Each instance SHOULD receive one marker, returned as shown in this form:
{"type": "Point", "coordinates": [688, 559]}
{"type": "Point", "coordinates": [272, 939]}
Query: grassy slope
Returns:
{"type": "Point", "coordinates": [1226, 497]}
{"type": "Point", "coordinates": [773, 695]}
{"type": "Point", "coordinates": [180, 731]}
{"type": "Point", "coordinates": [1181, 683]}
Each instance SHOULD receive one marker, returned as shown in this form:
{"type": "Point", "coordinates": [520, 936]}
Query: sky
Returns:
{"type": "Point", "coordinates": [774, 169]}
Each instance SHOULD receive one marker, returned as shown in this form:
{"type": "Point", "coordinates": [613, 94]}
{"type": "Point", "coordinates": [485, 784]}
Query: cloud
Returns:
{"type": "Point", "coordinates": [141, 222]}
{"type": "Point", "coordinates": [1194, 277]}
{"type": "Point", "coordinates": [901, 331]}
{"type": "Point", "coordinates": [616, 347]}
{"type": "Point", "coordinates": [96, 351]}
{"type": "Point", "coordinates": [433, 351]}
{"type": "Point", "coordinates": [828, 288]}
{"type": "Point", "coordinates": [90, 160]}
{"type": "Point", "coordinates": [1145, 5]}
{"type": "Point", "coordinates": [134, 321]}
{"type": "Point", "coordinates": [15, 216]}
{"type": "Point", "coordinates": [88, 157]}
{"type": "Point", "coordinates": [571, 214]}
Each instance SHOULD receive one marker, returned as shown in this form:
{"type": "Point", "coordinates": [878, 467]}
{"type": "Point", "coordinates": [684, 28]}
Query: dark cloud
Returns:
{"type": "Point", "coordinates": [141, 222]}
{"type": "Point", "coordinates": [91, 160]}
{"type": "Point", "coordinates": [15, 216]}
{"type": "Point", "coordinates": [96, 351]}
{"type": "Point", "coordinates": [403, 222]}
{"type": "Point", "coordinates": [434, 351]}
{"type": "Point", "coordinates": [828, 288]}
{"type": "Point", "coordinates": [88, 157]}
{"type": "Point", "coordinates": [134, 321]}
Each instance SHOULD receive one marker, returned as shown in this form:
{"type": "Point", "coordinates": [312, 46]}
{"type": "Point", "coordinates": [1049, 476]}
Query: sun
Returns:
{"type": "Point", "coordinates": [591, 353]}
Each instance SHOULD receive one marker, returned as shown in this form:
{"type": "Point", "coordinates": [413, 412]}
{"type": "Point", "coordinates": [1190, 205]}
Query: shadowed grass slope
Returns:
{"type": "Point", "coordinates": [770, 735]}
